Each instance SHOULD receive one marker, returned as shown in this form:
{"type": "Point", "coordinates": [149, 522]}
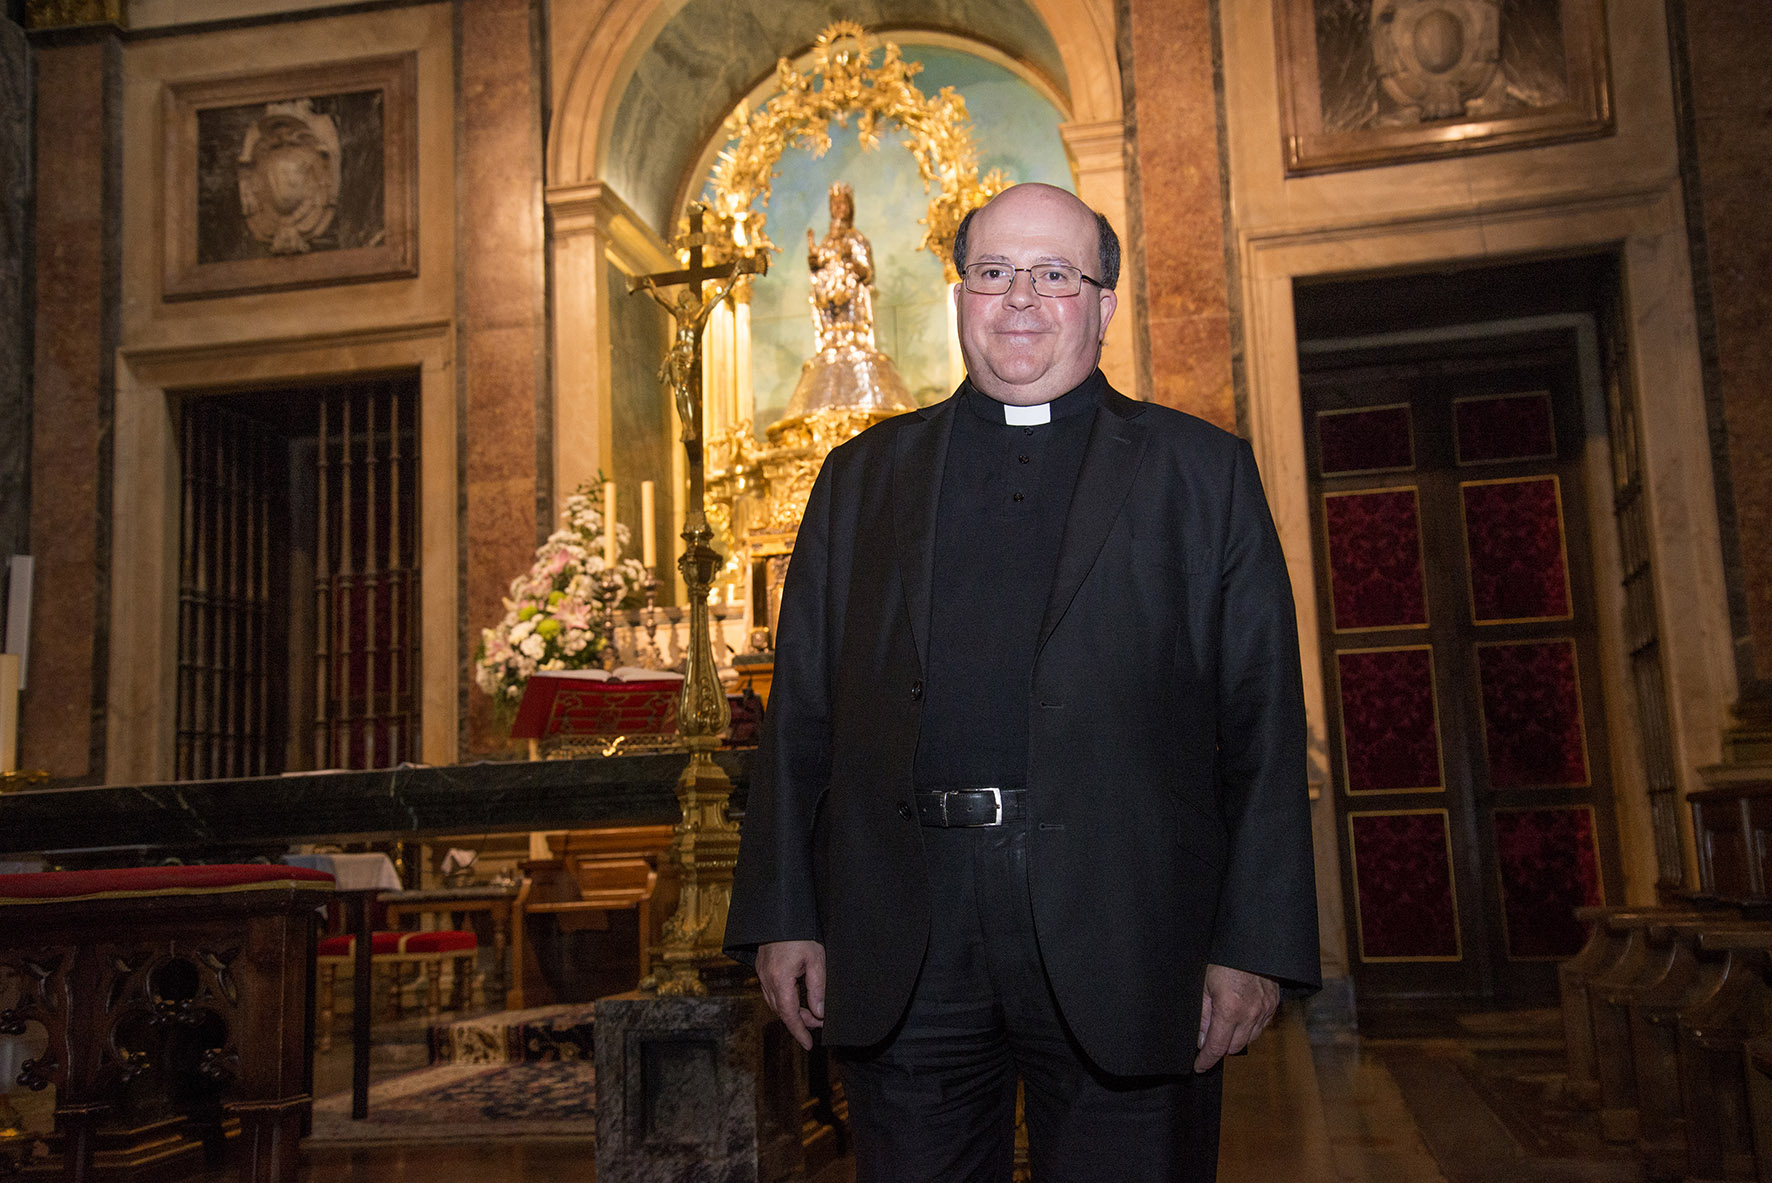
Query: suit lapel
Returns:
{"type": "Point", "coordinates": [916, 493]}
{"type": "Point", "coordinates": [1110, 461]}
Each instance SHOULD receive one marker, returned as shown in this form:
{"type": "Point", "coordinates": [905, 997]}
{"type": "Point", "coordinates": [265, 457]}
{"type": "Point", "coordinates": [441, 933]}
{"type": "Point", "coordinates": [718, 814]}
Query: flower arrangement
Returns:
{"type": "Point", "coordinates": [554, 612]}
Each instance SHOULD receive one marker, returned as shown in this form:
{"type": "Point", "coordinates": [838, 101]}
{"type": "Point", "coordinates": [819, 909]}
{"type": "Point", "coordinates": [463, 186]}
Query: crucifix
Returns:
{"type": "Point", "coordinates": [705, 845]}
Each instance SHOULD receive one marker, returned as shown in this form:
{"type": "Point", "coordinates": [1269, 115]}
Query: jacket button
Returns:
{"type": "Point", "coordinates": [917, 690]}
{"type": "Point", "coordinates": [904, 811]}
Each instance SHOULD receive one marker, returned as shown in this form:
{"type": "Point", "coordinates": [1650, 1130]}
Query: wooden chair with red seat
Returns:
{"type": "Point", "coordinates": [114, 964]}
{"type": "Point", "coordinates": [393, 951]}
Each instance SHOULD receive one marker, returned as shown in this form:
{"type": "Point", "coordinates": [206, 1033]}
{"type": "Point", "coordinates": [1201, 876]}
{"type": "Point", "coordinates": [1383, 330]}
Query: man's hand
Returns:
{"type": "Point", "coordinates": [1238, 1006]}
{"type": "Point", "coordinates": [781, 965]}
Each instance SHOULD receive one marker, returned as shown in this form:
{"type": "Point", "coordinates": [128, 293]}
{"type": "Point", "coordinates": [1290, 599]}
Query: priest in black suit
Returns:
{"type": "Point", "coordinates": [1030, 801]}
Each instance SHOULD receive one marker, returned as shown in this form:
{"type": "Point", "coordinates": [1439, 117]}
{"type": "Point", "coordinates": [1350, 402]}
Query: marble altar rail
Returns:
{"type": "Point", "coordinates": [388, 804]}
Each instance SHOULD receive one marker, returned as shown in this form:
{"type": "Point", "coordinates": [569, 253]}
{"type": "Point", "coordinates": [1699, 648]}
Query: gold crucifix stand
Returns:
{"type": "Point", "coordinates": [705, 846]}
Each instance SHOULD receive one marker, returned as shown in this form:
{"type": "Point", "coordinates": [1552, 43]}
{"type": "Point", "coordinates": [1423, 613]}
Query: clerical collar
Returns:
{"type": "Point", "coordinates": [1082, 397]}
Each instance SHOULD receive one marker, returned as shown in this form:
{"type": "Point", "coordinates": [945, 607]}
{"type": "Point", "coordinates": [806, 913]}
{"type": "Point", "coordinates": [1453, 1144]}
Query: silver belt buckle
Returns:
{"type": "Point", "coordinates": [997, 796]}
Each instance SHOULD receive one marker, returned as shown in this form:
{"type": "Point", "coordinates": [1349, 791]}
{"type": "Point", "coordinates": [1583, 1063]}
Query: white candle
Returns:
{"type": "Point", "coordinates": [648, 527]}
{"type": "Point", "coordinates": [609, 523]}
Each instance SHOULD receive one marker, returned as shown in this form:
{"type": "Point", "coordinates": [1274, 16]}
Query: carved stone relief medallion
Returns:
{"type": "Point", "coordinates": [1438, 58]}
{"type": "Point", "coordinates": [289, 176]}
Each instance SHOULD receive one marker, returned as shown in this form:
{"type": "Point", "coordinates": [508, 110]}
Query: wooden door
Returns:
{"type": "Point", "coordinates": [1454, 581]}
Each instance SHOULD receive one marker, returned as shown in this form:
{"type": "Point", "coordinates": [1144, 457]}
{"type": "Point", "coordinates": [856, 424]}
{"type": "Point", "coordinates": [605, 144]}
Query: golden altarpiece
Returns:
{"type": "Point", "coordinates": [757, 489]}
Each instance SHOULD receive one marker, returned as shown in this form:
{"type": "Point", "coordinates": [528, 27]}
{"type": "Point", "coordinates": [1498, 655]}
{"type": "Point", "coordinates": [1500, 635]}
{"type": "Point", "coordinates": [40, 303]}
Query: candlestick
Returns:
{"type": "Point", "coordinates": [609, 523]}
{"type": "Point", "coordinates": [610, 587]}
{"type": "Point", "coordinates": [648, 532]}
{"type": "Point", "coordinates": [651, 656]}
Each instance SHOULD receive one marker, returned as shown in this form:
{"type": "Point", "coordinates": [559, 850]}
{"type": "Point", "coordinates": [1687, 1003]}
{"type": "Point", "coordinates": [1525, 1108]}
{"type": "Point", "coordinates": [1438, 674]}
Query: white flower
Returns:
{"type": "Point", "coordinates": [571, 564]}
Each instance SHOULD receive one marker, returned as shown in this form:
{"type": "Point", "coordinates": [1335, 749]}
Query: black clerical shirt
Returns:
{"type": "Point", "coordinates": [1005, 490]}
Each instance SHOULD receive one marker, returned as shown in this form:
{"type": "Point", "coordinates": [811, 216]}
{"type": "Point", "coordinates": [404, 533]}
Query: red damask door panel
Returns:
{"type": "Point", "coordinates": [1454, 584]}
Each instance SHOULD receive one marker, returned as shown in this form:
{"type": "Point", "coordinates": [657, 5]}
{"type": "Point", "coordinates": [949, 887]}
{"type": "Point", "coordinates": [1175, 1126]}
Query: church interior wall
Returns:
{"type": "Point", "coordinates": [247, 341]}
{"type": "Point", "coordinates": [75, 336]}
{"type": "Point", "coordinates": [504, 371]}
{"type": "Point", "coordinates": [1723, 99]}
{"type": "Point", "coordinates": [1181, 296]}
{"type": "Point", "coordinates": [1618, 192]}
{"type": "Point", "coordinates": [16, 106]}
{"type": "Point", "coordinates": [151, 64]}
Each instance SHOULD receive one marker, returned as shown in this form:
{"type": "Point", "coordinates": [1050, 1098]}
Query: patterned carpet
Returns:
{"type": "Point", "coordinates": [469, 1102]}
{"type": "Point", "coordinates": [537, 1035]}
{"type": "Point", "coordinates": [511, 1075]}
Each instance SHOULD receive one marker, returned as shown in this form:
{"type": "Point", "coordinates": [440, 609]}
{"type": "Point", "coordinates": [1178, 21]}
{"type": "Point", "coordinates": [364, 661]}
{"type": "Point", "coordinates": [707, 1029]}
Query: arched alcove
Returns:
{"type": "Point", "coordinates": [642, 88]}
{"type": "Point", "coordinates": [711, 53]}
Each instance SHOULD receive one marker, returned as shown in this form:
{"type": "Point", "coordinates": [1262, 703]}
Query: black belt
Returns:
{"type": "Point", "coordinates": [984, 806]}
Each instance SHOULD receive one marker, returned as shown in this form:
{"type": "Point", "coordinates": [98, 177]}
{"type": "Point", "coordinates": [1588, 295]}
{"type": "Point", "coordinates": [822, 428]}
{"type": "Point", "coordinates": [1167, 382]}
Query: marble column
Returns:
{"type": "Point", "coordinates": [502, 345]}
{"type": "Point", "coordinates": [1167, 66]}
{"type": "Point", "coordinates": [78, 273]}
{"type": "Point", "coordinates": [15, 188]}
{"type": "Point", "coordinates": [1728, 149]}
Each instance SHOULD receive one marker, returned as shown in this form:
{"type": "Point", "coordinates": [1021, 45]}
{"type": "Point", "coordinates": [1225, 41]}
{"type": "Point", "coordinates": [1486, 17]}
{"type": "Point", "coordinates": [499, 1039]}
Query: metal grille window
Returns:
{"type": "Point", "coordinates": [227, 706]}
{"type": "Point", "coordinates": [365, 582]}
{"type": "Point", "coordinates": [298, 580]}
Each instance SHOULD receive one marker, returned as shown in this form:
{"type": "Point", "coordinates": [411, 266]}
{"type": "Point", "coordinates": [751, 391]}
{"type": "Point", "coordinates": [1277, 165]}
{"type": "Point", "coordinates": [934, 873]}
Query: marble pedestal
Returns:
{"type": "Point", "coordinates": [709, 1090]}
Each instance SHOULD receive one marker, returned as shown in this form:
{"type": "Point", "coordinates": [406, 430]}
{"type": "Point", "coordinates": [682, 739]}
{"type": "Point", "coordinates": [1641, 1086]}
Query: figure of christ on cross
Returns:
{"type": "Point", "coordinates": [706, 844]}
{"type": "Point", "coordinates": [690, 308]}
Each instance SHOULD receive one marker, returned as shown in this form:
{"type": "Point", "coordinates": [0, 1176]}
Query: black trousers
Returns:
{"type": "Point", "coordinates": [936, 1102]}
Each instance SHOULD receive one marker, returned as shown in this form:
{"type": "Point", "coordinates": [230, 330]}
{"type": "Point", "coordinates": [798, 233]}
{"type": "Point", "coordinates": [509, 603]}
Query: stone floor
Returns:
{"type": "Point", "coordinates": [1431, 1099]}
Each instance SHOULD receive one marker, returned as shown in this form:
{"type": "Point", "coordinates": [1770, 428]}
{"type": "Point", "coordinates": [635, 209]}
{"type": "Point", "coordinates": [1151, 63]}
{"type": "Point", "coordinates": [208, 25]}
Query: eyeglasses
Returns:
{"type": "Point", "coordinates": [1049, 279]}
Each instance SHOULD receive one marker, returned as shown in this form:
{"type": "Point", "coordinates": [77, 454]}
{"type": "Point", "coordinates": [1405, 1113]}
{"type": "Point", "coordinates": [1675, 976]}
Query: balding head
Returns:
{"type": "Point", "coordinates": [1020, 347]}
{"type": "Point", "coordinates": [1107, 252]}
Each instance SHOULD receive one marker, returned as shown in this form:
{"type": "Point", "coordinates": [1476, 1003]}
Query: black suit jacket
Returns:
{"type": "Point", "coordinates": [1169, 823]}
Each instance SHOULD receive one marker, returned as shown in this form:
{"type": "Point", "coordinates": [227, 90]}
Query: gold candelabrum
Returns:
{"type": "Point", "coordinates": [704, 848]}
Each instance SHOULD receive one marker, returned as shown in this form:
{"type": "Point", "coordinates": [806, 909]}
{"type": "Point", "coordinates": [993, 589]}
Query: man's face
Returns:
{"type": "Point", "coordinates": [1022, 348]}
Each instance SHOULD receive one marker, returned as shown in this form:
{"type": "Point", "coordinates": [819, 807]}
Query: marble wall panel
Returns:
{"type": "Point", "coordinates": [502, 327]}
{"type": "Point", "coordinates": [1731, 98]}
{"type": "Point", "coordinates": [1174, 111]}
{"type": "Point", "coordinates": [15, 180]}
{"type": "Point", "coordinates": [76, 270]}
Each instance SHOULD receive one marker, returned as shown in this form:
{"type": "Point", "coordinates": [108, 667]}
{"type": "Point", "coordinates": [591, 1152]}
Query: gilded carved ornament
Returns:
{"type": "Point", "coordinates": [937, 133]}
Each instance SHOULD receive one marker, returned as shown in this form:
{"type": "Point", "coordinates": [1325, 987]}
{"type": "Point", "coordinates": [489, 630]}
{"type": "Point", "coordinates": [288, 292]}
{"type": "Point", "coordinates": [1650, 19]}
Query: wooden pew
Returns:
{"type": "Point", "coordinates": [594, 877]}
{"type": "Point", "coordinates": [1656, 1019]}
{"type": "Point", "coordinates": [1655, 1038]}
{"type": "Point", "coordinates": [1758, 1054]}
{"type": "Point", "coordinates": [125, 969]}
{"type": "Point", "coordinates": [1605, 946]}
{"type": "Point", "coordinates": [1714, 1030]}
{"type": "Point", "coordinates": [1647, 959]}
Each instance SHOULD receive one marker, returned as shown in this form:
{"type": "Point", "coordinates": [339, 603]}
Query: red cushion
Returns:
{"type": "Point", "coordinates": [446, 941]}
{"type": "Point", "coordinates": [127, 882]}
{"type": "Point", "coordinates": [380, 943]}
